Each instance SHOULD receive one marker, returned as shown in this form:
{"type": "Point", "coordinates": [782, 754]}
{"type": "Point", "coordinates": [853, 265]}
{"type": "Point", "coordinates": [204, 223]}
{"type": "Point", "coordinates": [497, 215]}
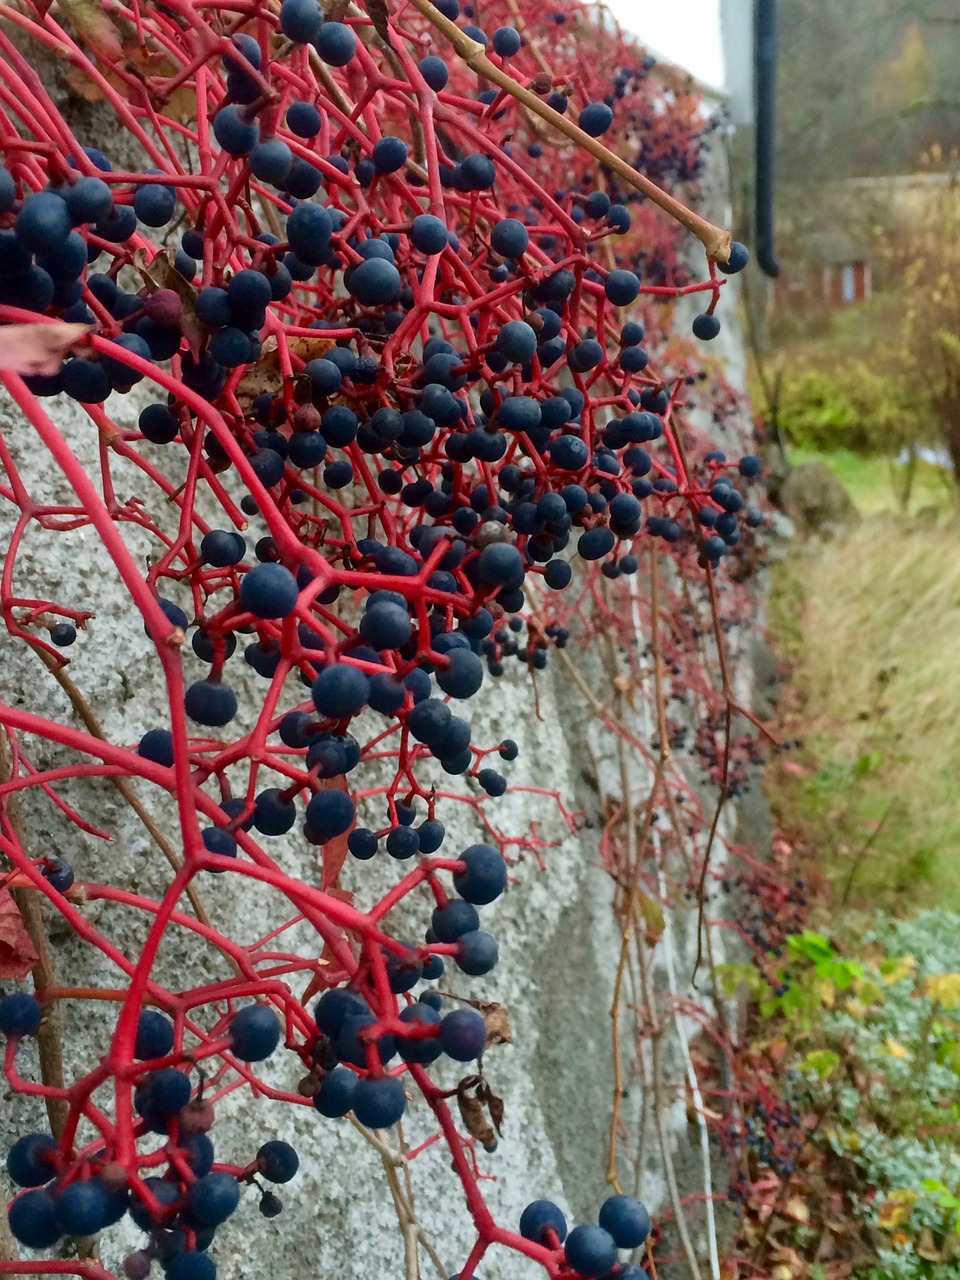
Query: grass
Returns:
{"type": "Point", "coordinates": [869, 624]}
{"type": "Point", "coordinates": [876, 484]}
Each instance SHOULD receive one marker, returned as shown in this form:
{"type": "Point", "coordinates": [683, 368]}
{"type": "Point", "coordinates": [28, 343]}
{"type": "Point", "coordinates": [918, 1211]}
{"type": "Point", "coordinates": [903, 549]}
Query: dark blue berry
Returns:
{"type": "Point", "coordinates": [269, 591]}
{"type": "Point", "coordinates": [19, 1014]}
{"type": "Point", "coordinates": [336, 44]}
{"type": "Point", "coordinates": [154, 1035]}
{"type": "Point", "coordinates": [627, 1221]}
{"type": "Point", "coordinates": [213, 1198]}
{"type": "Point", "coordinates": [484, 875]}
{"type": "Point", "coordinates": [506, 41]}
{"type": "Point", "coordinates": [335, 1095]}
{"type": "Point", "coordinates": [463, 1035]}
{"type": "Point", "coordinates": [33, 1220]}
{"type": "Point", "coordinates": [379, 1102]}
{"type": "Point", "coordinates": [374, 282]}
{"type": "Point", "coordinates": [210, 703]}
{"type": "Point", "coordinates": [300, 20]}
{"type": "Point", "coordinates": [329, 814]}
{"type": "Point", "coordinates": [303, 119]}
{"type": "Point", "coordinates": [277, 1161]}
{"type": "Point", "coordinates": [43, 223]}
{"type": "Point", "coordinates": [234, 132]}
{"type": "Point", "coordinates": [540, 1215]}
{"type": "Point", "coordinates": [434, 71]}
{"type": "Point", "coordinates": [30, 1159]}
{"type": "Point", "coordinates": [590, 1251]}
{"type": "Point", "coordinates": [706, 327]}
{"type": "Point", "coordinates": [340, 690]}
{"type": "Point", "coordinates": [254, 1033]}
{"type": "Point", "coordinates": [595, 119]}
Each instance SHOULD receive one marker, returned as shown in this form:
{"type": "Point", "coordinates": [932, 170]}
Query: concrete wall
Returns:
{"type": "Point", "coordinates": [558, 936]}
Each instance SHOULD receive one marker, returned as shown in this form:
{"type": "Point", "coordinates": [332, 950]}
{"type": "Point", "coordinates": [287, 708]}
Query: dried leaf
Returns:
{"type": "Point", "coordinates": [798, 1208]}
{"type": "Point", "coordinates": [38, 348]}
{"type": "Point", "coordinates": [652, 914]}
{"type": "Point", "coordinates": [309, 348]}
{"type": "Point", "coordinates": [95, 27]}
{"type": "Point", "coordinates": [626, 686]}
{"type": "Point", "coordinates": [895, 969]}
{"type": "Point", "coordinates": [265, 374]}
{"type": "Point", "coordinates": [181, 104]}
{"type": "Point", "coordinates": [494, 1104]}
{"type": "Point", "coordinates": [473, 1115]}
{"type": "Point", "coordinates": [161, 273]}
{"type": "Point", "coordinates": [897, 1208]}
{"type": "Point", "coordinates": [377, 11]}
{"type": "Point", "coordinates": [17, 952]}
{"type": "Point", "coordinates": [926, 1246]}
{"type": "Point", "coordinates": [81, 84]}
{"type": "Point", "coordinates": [497, 1020]}
{"type": "Point", "coordinates": [944, 989]}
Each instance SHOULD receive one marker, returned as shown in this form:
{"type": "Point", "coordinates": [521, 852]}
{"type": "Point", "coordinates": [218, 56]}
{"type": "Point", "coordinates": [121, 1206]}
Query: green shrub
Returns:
{"type": "Point", "coordinates": [872, 1041]}
{"type": "Point", "coordinates": [849, 406]}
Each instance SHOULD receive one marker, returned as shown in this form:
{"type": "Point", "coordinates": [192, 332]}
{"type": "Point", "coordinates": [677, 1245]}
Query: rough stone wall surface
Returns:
{"type": "Point", "coordinates": [558, 938]}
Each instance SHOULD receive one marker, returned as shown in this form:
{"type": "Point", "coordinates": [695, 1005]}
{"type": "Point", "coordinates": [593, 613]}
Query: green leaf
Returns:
{"type": "Point", "coordinates": [840, 972]}
{"type": "Point", "coordinates": [870, 993]}
{"type": "Point", "coordinates": [793, 998]}
{"type": "Point", "coordinates": [866, 763]}
{"type": "Point", "coordinates": [734, 976]}
{"type": "Point", "coordinates": [932, 1184]}
{"type": "Point", "coordinates": [810, 946]}
{"type": "Point", "coordinates": [821, 1061]}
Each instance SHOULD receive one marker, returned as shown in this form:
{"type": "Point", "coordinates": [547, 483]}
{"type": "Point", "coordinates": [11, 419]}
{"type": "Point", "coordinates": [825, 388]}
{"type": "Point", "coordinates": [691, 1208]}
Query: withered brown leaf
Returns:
{"type": "Point", "coordinates": [473, 1114]}
{"type": "Point", "coordinates": [497, 1021]}
{"type": "Point", "coordinates": [493, 1103]}
{"type": "Point", "coordinates": [161, 273]}
{"type": "Point", "coordinates": [265, 373]}
{"type": "Point", "coordinates": [377, 9]}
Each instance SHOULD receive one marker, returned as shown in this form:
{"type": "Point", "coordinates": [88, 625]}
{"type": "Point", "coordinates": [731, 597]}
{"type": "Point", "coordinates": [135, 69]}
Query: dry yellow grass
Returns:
{"type": "Point", "coordinates": [872, 625]}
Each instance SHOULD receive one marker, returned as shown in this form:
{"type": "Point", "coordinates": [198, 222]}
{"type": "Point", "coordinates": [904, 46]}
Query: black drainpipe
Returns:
{"type": "Point", "coordinates": [765, 78]}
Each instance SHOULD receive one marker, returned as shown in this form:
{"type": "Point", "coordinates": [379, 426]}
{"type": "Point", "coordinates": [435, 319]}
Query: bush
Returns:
{"type": "Point", "coordinates": [872, 1044]}
{"type": "Point", "coordinates": [849, 406]}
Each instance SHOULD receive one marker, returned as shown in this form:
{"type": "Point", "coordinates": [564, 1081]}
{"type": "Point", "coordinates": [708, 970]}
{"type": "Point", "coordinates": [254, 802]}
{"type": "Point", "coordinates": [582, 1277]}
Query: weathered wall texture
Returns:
{"type": "Point", "coordinates": [559, 941]}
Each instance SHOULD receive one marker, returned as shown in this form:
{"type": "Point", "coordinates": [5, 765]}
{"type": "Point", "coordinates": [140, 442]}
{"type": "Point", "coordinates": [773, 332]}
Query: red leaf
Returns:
{"type": "Point", "coordinates": [17, 952]}
{"type": "Point", "coordinates": [335, 851]}
{"type": "Point", "coordinates": [334, 856]}
{"type": "Point", "coordinates": [798, 771]}
{"type": "Point", "coordinates": [37, 348]}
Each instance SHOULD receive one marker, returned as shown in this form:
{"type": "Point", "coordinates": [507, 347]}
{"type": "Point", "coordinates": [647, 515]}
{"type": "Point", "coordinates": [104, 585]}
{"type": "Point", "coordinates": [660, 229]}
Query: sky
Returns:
{"type": "Point", "coordinates": [682, 31]}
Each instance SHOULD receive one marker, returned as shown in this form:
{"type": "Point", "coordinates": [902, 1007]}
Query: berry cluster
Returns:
{"type": "Point", "coordinates": [372, 311]}
{"type": "Point", "coordinates": [588, 1250]}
